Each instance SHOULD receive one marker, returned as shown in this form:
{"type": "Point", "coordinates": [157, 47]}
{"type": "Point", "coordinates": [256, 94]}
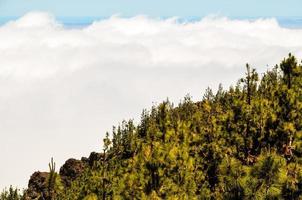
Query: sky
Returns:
{"type": "Point", "coordinates": [62, 88]}
{"type": "Point", "coordinates": [155, 8]}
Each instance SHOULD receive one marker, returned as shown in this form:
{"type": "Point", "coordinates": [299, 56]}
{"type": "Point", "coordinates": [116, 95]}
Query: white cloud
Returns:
{"type": "Point", "coordinates": [62, 88]}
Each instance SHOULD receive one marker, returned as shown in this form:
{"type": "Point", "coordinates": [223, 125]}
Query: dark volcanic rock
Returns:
{"type": "Point", "coordinates": [85, 160]}
{"type": "Point", "coordinates": [95, 157]}
{"type": "Point", "coordinates": [71, 170]}
{"type": "Point", "coordinates": [37, 186]}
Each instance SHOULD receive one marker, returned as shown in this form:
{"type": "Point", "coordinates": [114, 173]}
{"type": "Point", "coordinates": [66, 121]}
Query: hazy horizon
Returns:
{"type": "Point", "coordinates": [83, 21]}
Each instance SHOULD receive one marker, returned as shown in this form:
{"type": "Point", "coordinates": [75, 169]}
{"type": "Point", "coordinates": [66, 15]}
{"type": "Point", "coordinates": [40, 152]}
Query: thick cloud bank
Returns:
{"type": "Point", "coordinates": [62, 88]}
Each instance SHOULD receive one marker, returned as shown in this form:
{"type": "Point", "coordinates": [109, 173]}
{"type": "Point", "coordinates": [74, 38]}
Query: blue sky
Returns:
{"type": "Point", "coordinates": [155, 8]}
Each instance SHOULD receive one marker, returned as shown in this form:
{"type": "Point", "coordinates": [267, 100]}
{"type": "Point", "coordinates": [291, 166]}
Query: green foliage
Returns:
{"type": "Point", "coordinates": [232, 176]}
{"type": "Point", "coordinates": [267, 176]}
{"type": "Point", "coordinates": [54, 185]}
{"type": "Point", "coordinates": [91, 197]}
{"type": "Point", "coordinates": [11, 194]}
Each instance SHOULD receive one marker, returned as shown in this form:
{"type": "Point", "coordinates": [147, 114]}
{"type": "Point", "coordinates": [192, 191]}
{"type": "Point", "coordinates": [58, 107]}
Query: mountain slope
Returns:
{"type": "Point", "coordinates": [241, 143]}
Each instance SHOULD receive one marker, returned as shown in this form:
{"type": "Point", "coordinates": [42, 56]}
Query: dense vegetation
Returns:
{"type": "Point", "coordinates": [240, 143]}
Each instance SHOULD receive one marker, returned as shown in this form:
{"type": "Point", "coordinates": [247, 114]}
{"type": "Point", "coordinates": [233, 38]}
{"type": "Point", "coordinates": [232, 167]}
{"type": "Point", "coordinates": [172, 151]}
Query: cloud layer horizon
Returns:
{"type": "Point", "coordinates": [62, 88]}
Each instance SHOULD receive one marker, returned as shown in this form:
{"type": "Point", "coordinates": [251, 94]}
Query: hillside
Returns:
{"type": "Point", "coordinates": [240, 143]}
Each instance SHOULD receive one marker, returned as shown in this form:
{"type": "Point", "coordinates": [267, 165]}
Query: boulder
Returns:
{"type": "Point", "coordinates": [71, 170]}
{"type": "Point", "coordinates": [37, 186]}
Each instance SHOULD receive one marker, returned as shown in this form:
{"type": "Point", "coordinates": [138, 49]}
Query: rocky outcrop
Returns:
{"type": "Point", "coordinates": [37, 186]}
{"type": "Point", "coordinates": [95, 157]}
{"type": "Point", "coordinates": [71, 169]}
